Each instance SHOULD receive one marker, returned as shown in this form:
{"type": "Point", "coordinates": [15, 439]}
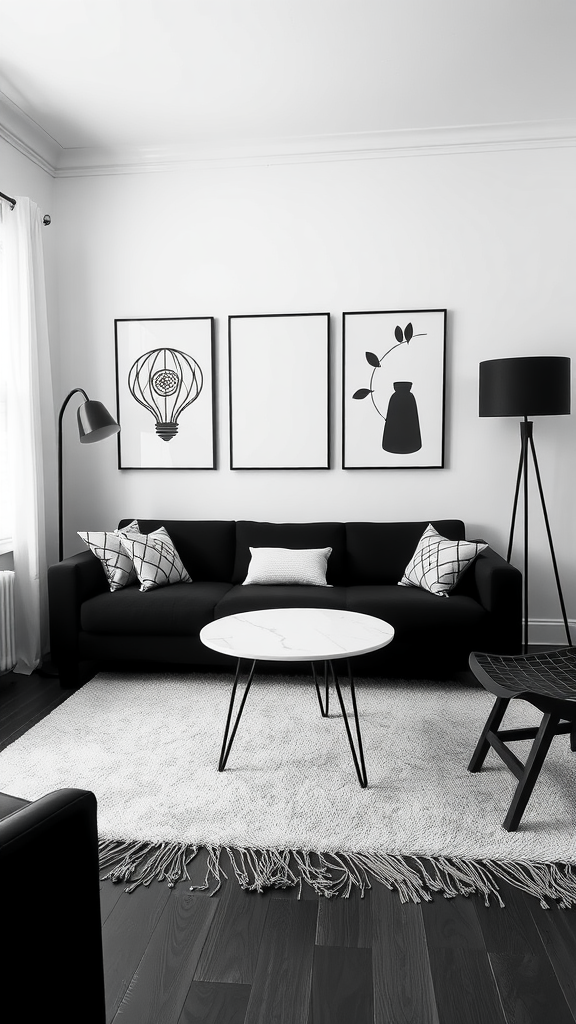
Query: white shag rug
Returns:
{"type": "Point", "coordinates": [148, 747]}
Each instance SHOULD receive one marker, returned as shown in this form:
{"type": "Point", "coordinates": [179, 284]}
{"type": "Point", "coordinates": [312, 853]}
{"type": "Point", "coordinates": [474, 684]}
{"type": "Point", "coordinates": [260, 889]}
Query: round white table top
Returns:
{"type": "Point", "coordinates": [296, 634]}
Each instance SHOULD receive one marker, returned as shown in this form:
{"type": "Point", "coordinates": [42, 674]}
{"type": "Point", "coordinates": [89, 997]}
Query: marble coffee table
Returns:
{"type": "Point", "coordinates": [297, 634]}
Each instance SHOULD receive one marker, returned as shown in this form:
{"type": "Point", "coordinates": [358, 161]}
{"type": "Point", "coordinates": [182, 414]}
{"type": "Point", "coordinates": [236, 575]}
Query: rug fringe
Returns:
{"type": "Point", "coordinates": [337, 874]}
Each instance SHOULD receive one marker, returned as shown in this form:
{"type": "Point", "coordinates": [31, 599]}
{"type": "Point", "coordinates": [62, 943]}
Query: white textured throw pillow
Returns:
{"type": "Point", "coordinates": [117, 564]}
{"type": "Point", "coordinates": [302, 566]}
{"type": "Point", "coordinates": [438, 563]}
{"type": "Point", "coordinates": [156, 561]}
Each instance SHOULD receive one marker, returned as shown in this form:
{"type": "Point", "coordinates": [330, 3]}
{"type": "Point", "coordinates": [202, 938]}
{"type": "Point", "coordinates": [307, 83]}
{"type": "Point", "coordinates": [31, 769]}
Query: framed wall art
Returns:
{"type": "Point", "coordinates": [393, 382]}
{"type": "Point", "coordinates": [279, 391]}
{"type": "Point", "coordinates": [165, 393]}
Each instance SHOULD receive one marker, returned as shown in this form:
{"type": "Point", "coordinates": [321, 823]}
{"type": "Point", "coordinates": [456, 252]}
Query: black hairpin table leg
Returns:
{"type": "Point", "coordinates": [357, 750]}
{"type": "Point", "coordinates": [358, 757]}
{"type": "Point", "coordinates": [227, 743]}
{"type": "Point", "coordinates": [324, 706]}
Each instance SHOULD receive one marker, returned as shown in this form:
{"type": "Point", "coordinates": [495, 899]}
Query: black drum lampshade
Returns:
{"type": "Point", "coordinates": [525, 386]}
{"type": "Point", "coordinates": [95, 422]}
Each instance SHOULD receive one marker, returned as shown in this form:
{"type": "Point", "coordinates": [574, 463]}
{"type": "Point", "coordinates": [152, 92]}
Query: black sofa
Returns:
{"type": "Point", "coordinates": [88, 623]}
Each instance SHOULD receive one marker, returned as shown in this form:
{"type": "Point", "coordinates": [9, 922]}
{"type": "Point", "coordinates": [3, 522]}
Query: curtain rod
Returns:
{"type": "Point", "coordinates": [46, 218]}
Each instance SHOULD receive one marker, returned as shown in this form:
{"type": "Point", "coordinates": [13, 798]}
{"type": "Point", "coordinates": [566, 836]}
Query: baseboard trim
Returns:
{"type": "Point", "coordinates": [550, 631]}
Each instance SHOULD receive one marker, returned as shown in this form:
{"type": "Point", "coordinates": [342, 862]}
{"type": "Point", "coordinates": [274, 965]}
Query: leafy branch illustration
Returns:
{"type": "Point", "coordinates": [403, 337]}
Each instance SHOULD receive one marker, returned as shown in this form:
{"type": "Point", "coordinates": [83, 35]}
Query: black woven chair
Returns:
{"type": "Point", "coordinates": [548, 682]}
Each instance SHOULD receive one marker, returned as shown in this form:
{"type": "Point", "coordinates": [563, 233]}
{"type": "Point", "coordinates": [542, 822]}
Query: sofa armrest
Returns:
{"type": "Point", "coordinates": [70, 583]}
{"type": "Point", "coordinates": [50, 897]}
{"type": "Point", "coordinates": [497, 586]}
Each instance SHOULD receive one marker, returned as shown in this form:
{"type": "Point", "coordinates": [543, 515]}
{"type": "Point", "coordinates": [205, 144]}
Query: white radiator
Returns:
{"type": "Point", "coordinates": [7, 642]}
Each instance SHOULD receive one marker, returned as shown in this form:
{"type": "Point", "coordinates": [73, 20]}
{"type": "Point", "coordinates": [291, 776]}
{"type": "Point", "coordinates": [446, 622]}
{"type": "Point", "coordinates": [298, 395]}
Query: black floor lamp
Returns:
{"type": "Point", "coordinates": [527, 386]}
{"type": "Point", "coordinates": [94, 424]}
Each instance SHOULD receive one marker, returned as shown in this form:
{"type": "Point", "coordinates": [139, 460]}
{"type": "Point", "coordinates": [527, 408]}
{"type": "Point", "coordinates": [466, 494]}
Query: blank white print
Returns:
{"type": "Point", "coordinates": [279, 391]}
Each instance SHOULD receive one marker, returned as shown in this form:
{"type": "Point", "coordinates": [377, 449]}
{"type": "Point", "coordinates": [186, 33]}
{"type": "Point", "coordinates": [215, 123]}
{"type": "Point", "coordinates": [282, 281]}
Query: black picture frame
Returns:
{"type": "Point", "coordinates": [279, 391]}
{"type": "Point", "coordinates": [166, 392]}
{"type": "Point", "coordinates": [393, 389]}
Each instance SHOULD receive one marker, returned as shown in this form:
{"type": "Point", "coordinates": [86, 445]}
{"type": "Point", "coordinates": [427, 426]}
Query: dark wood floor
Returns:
{"type": "Point", "coordinates": [175, 957]}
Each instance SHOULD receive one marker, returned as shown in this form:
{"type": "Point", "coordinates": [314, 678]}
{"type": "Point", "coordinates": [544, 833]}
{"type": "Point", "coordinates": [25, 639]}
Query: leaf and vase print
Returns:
{"type": "Point", "coordinates": [402, 426]}
{"type": "Point", "coordinates": [396, 419]}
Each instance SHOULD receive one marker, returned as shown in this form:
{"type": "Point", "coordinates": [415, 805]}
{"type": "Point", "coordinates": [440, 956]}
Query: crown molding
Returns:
{"type": "Point", "coordinates": [320, 149]}
{"type": "Point", "coordinates": [29, 138]}
{"type": "Point", "coordinates": [25, 135]}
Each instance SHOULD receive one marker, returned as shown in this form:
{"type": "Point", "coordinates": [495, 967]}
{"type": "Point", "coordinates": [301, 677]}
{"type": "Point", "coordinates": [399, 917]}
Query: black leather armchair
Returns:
{"type": "Point", "coordinates": [52, 963]}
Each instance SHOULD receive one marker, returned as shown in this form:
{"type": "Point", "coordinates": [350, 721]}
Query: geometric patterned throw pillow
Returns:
{"type": "Point", "coordinates": [156, 561]}
{"type": "Point", "coordinates": [438, 563]}
{"type": "Point", "coordinates": [117, 564]}
{"type": "Point", "coordinates": [274, 566]}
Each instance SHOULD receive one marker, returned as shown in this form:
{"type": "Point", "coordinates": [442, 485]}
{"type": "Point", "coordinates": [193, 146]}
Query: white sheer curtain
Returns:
{"type": "Point", "coordinates": [31, 433]}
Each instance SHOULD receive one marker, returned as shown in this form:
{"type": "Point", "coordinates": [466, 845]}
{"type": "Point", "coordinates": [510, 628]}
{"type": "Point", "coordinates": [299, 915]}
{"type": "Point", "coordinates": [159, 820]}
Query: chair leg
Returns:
{"type": "Point", "coordinates": [492, 723]}
{"type": "Point", "coordinates": [538, 751]}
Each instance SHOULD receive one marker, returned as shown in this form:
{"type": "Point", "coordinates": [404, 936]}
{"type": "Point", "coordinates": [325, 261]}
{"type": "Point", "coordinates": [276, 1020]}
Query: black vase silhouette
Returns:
{"type": "Point", "coordinates": [402, 430]}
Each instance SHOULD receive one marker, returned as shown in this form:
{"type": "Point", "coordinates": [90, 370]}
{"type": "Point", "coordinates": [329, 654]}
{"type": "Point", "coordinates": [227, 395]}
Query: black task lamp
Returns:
{"type": "Point", "coordinates": [527, 386]}
{"type": "Point", "coordinates": [94, 424]}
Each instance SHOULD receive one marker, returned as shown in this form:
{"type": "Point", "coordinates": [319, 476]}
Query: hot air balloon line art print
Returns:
{"type": "Point", "coordinates": [165, 393]}
{"type": "Point", "coordinates": [165, 381]}
{"type": "Point", "coordinates": [396, 419]}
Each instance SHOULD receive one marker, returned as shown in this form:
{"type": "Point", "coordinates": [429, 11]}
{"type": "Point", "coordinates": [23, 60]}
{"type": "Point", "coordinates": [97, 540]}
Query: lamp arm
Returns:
{"type": "Point", "coordinates": [60, 416]}
{"type": "Point", "coordinates": [65, 403]}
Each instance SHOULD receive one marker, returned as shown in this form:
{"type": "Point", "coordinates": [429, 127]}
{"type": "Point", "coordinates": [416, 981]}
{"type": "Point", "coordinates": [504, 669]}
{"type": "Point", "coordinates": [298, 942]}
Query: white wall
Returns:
{"type": "Point", "coordinates": [488, 235]}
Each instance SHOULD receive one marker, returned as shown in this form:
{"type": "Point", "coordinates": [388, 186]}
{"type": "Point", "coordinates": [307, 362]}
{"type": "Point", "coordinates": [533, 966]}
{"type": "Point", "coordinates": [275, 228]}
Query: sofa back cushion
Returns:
{"type": "Point", "coordinates": [370, 553]}
{"type": "Point", "coordinates": [379, 552]}
{"type": "Point", "coordinates": [205, 547]}
{"type": "Point", "coordinates": [291, 535]}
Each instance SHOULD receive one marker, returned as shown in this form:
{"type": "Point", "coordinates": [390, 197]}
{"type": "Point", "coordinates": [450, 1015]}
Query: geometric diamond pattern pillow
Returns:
{"type": "Point", "coordinates": [438, 563]}
{"type": "Point", "coordinates": [117, 564]}
{"type": "Point", "coordinates": [156, 561]}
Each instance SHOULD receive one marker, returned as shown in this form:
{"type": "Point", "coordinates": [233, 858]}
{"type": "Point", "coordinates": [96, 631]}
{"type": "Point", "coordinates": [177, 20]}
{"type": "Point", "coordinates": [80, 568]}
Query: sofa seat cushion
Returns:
{"type": "Point", "coordinates": [414, 613]}
{"type": "Point", "coordinates": [257, 597]}
{"type": "Point", "coordinates": [10, 804]}
{"type": "Point", "coordinates": [179, 610]}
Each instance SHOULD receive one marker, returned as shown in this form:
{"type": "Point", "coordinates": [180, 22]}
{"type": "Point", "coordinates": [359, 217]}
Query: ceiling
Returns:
{"type": "Point", "coordinates": [97, 73]}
